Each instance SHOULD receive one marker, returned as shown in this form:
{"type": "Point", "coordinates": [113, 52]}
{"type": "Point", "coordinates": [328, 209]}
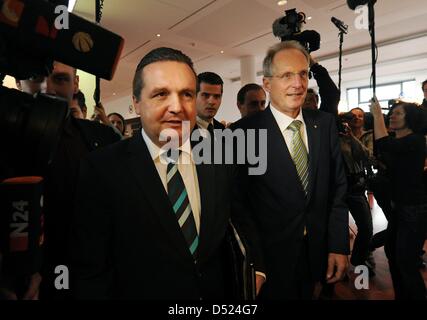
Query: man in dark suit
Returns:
{"type": "Point", "coordinates": [79, 137]}
{"type": "Point", "coordinates": [251, 99]}
{"type": "Point", "coordinates": [209, 96]}
{"type": "Point", "coordinates": [151, 225]}
{"type": "Point", "coordinates": [298, 204]}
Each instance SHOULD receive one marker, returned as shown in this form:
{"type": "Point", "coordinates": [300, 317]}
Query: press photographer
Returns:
{"type": "Point", "coordinates": [41, 137]}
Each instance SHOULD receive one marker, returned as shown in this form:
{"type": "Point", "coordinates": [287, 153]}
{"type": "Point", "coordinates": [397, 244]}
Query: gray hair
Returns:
{"type": "Point", "coordinates": [267, 65]}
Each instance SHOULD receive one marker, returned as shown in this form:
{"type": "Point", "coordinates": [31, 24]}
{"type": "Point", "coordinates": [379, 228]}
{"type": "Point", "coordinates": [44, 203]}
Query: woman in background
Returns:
{"type": "Point", "coordinates": [407, 226]}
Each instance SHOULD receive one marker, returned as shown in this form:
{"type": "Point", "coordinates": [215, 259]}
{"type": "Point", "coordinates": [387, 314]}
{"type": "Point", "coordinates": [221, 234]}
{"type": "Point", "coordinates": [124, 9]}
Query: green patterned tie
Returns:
{"type": "Point", "coordinates": [181, 206]}
{"type": "Point", "coordinates": [299, 153]}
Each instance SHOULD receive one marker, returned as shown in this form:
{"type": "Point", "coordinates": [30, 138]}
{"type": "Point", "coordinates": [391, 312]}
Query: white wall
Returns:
{"type": "Point", "coordinates": [123, 106]}
{"type": "Point", "coordinates": [87, 86]}
{"type": "Point", "coordinates": [228, 110]}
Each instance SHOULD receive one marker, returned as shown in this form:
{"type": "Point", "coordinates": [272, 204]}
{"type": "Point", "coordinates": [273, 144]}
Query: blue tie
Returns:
{"type": "Point", "coordinates": [181, 206]}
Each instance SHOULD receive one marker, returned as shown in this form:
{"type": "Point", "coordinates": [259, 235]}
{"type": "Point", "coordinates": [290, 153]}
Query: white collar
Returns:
{"type": "Point", "coordinates": [203, 123]}
{"type": "Point", "coordinates": [284, 120]}
{"type": "Point", "coordinates": [157, 152]}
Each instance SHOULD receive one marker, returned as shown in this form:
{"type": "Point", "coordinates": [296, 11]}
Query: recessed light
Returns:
{"type": "Point", "coordinates": [282, 2]}
{"type": "Point", "coordinates": [309, 18]}
{"type": "Point", "coordinates": [71, 5]}
{"type": "Point", "coordinates": [222, 51]}
{"type": "Point", "coordinates": [158, 35]}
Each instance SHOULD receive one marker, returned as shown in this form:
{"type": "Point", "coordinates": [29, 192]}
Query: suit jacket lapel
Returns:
{"type": "Point", "coordinates": [142, 167]}
{"type": "Point", "coordinates": [313, 136]}
{"type": "Point", "coordinates": [206, 178]}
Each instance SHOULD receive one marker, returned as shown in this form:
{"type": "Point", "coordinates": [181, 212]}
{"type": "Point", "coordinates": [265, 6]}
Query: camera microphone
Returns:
{"type": "Point", "coordinates": [29, 27]}
{"type": "Point", "coordinates": [340, 25]}
{"type": "Point", "coordinates": [21, 229]}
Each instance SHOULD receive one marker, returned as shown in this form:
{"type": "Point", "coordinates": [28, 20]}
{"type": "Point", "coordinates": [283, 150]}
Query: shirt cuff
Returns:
{"type": "Point", "coordinates": [262, 274]}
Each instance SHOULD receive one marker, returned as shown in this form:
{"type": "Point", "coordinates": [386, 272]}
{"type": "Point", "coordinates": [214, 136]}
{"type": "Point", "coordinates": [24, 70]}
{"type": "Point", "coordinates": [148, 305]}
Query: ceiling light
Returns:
{"type": "Point", "coordinates": [114, 93]}
{"type": "Point", "coordinates": [282, 2]}
{"type": "Point", "coordinates": [222, 51]}
{"type": "Point", "coordinates": [309, 18]}
{"type": "Point", "coordinates": [158, 35]}
{"type": "Point", "coordinates": [71, 4]}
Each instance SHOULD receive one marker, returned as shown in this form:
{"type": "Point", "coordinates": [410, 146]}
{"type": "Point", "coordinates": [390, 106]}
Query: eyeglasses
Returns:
{"type": "Point", "coordinates": [290, 76]}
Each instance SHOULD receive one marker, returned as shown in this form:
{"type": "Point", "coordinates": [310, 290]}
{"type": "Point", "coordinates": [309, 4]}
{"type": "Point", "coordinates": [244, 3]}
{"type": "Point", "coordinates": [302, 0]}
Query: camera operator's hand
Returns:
{"type": "Point", "coordinates": [347, 130]}
{"type": "Point", "coordinates": [6, 294]}
{"type": "Point", "coordinates": [32, 292]}
{"type": "Point", "coordinates": [375, 108]}
{"type": "Point", "coordinates": [380, 129]}
{"type": "Point", "coordinates": [33, 288]}
{"type": "Point", "coordinates": [100, 114]}
{"type": "Point", "coordinates": [76, 112]}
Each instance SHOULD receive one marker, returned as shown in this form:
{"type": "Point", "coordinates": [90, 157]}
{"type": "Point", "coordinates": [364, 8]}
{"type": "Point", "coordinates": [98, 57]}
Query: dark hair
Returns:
{"type": "Point", "coordinates": [241, 95]}
{"type": "Point", "coordinates": [424, 83]}
{"type": "Point", "coordinates": [316, 95]}
{"type": "Point", "coordinates": [157, 55]}
{"type": "Point", "coordinates": [357, 108]}
{"type": "Point", "coordinates": [209, 78]}
{"type": "Point", "coordinates": [121, 118]}
{"type": "Point", "coordinates": [415, 118]}
{"type": "Point", "coordinates": [80, 97]}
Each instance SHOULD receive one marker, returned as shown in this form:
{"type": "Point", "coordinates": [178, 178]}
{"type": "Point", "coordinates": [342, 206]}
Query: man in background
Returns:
{"type": "Point", "coordinates": [251, 99]}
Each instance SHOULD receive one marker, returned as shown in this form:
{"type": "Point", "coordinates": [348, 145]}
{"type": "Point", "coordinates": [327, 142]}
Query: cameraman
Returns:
{"type": "Point", "coordinates": [328, 91]}
{"type": "Point", "coordinates": [355, 156]}
{"type": "Point", "coordinates": [7, 292]}
{"type": "Point", "coordinates": [78, 138]}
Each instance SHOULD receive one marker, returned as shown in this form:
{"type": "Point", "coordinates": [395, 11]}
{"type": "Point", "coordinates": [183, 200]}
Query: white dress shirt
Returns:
{"type": "Point", "coordinates": [186, 168]}
{"type": "Point", "coordinates": [284, 121]}
{"type": "Point", "coordinates": [204, 125]}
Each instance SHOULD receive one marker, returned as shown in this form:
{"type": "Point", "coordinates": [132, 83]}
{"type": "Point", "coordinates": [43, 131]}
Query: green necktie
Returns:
{"type": "Point", "coordinates": [181, 205]}
{"type": "Point", "coordinates": [299, 153]}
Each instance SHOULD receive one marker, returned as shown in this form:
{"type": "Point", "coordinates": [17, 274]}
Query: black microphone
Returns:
{"type": "Point", "coordinates": [29, 27]}
{"type": "Point", "coordinates": [353, 4]}
{"type": "Point", "coordinates": [21, 230]}
{"type": "Point", "coordinates": [339, 24]}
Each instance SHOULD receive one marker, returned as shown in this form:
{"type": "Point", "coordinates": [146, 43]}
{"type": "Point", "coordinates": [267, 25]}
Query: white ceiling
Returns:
{"type": "Point", "coordinates": [202, 28]}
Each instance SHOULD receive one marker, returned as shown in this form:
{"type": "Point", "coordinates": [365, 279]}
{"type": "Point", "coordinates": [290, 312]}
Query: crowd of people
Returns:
{"type": "Point", "coordinates": [130, 221]}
